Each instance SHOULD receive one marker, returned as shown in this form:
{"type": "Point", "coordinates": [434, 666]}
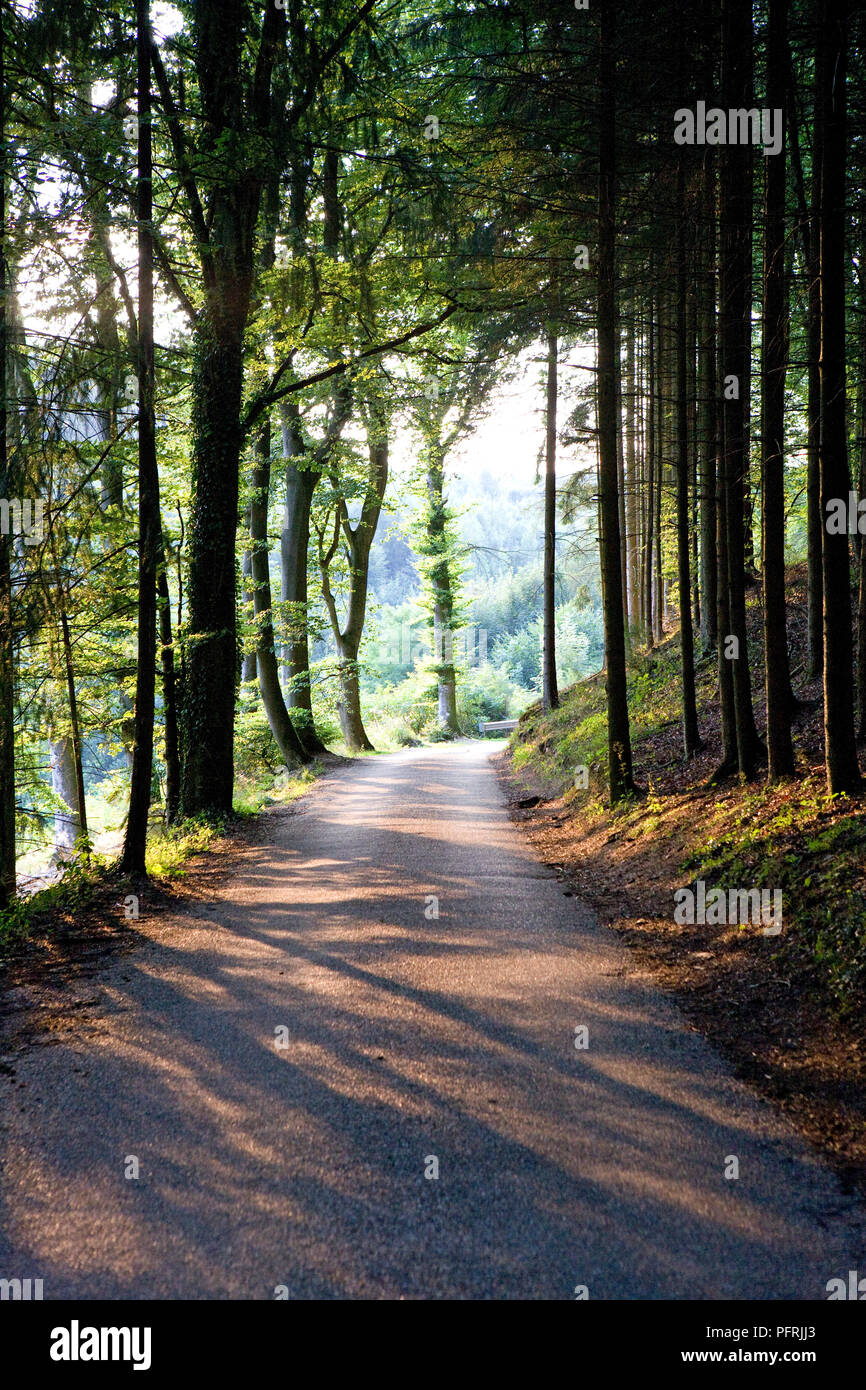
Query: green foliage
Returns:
{"type": "Point", "coordinates": [78, 879]}
{"type": "Point", "coordinates": [168, 849]}
{"type": "Point", "coordinates": [256, 749]}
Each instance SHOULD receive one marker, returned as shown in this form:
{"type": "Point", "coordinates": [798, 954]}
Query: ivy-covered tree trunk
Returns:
{"type": "Point", "coordinates": [212, 656]}
{"type": "Point", "coordinates": [7, 666]}
{"type": "Point", "coordinates": [7, 720]}
{"type": "Point", "coordinates": [234, 128]}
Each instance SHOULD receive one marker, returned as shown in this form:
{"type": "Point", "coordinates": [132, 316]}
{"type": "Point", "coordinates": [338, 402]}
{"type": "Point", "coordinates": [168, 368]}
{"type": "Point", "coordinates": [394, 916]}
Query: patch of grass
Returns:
{"type": "Point", "coordinates": [81, 876]}
{"type": "Point", "coordinates": [169, 848]}
{"type": "Point", "coordinates": [252, 795]}
{"type": "Point", "coordinates": [551, 744]}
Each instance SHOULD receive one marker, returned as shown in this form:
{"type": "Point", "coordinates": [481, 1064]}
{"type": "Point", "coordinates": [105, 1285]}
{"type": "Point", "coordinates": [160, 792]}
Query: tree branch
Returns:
{"type": "Point", "coordinates": [270, 396]}
{"type": "Point", "coordinates": [178, 142]}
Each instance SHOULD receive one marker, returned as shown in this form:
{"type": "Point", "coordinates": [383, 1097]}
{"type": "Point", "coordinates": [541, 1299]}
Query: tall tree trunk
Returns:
{"type": "Point", "coordinates": [443, 641]}
{"type": "Point", "coordinates": [74, 723]}
{"type": "Point", "coordinates": [728, 764]}
{"type": "Point", "coordinates": [149, 520]}
{"type": "Point", "coordinates": [641, 472]}
{"type": "Point", "coordinates": [631, 489]}
{"type": "Point", "coordinates": [108, 373]}
{"type": "Point", "coordinates": [735, 222]}
{"type": "Point", "coordinates": [248, 668]}
{"type": "Point", "coordinates": [774, 339]}
{"type": "Point", "coordinates": [349, 708]}
{"type": "Point", "coordinates": [649, 407]}
{"type": "Point", "coordinates": [443, 596]}
{"type": "Point", "coordinates": [291, 749]}
{"type": "Point", "coordinates": [814, 519]}
{"type": "Point", "coordinates": [550, 689]}
{"type": "Point", "coordinates": [170, 710]}
{"type": "Point", "coordinates": [211, 657]}
{"type": "Point", "coordinates": [660, 432]}
{"type": "Point", "coordinates": [861, 471]}
{"type": "Point", "coordinates": [358, 540]}
{"type": "Point", "coordinates": [225, 234]}
{"type": "Point", "coordinates": [692, 422]}
{"type": "Point", "coordinates": [707, 414]}
{"type": "Point", "coordinates": [843, 774]}
{"type": "Point", "coordinates": [691, 733]}
{"type": "Point", "coordinates": [64, 784]}
{"type": "Point", "coordinates": [7, 649]}
{"type": "Point", "coordinates": [618, 732]}
{"type": "Point", "coordinates": [301, 484]}
{"type": "Point", "coordinates": [620, 473]}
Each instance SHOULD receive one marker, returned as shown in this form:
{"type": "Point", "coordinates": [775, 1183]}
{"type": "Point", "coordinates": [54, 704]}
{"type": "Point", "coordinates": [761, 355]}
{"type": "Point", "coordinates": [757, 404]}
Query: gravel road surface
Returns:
{"type": "Point", "coordinates": [291, 1064]}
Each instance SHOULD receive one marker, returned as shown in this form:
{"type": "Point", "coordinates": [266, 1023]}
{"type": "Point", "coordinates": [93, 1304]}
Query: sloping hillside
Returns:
{"type": "Point", "coordinates": [788, 1009]}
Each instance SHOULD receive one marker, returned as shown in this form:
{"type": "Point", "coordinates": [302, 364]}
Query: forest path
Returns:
{"type": "Point", "coordinates": [408, 1038]}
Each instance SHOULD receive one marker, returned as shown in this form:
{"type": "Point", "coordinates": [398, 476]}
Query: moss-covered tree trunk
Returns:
{"type": "Point", "coordinates": [549, 687]}
{"type": "Point", "coordinates": [301, 483]}
{"type": "Point", "coordinates": [212, 656]}
{"type": "Point", "coordinates": [357, 541]}
{"type": "Point", "coordinates": [441, 586]}
{"type": "Point", "coordinates": [290, 746]}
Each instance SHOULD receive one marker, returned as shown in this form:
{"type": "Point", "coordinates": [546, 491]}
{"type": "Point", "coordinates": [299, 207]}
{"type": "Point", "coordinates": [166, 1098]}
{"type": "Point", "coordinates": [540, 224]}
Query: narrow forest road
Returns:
{"type": "Point", "coordinates": [408, 1038]}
